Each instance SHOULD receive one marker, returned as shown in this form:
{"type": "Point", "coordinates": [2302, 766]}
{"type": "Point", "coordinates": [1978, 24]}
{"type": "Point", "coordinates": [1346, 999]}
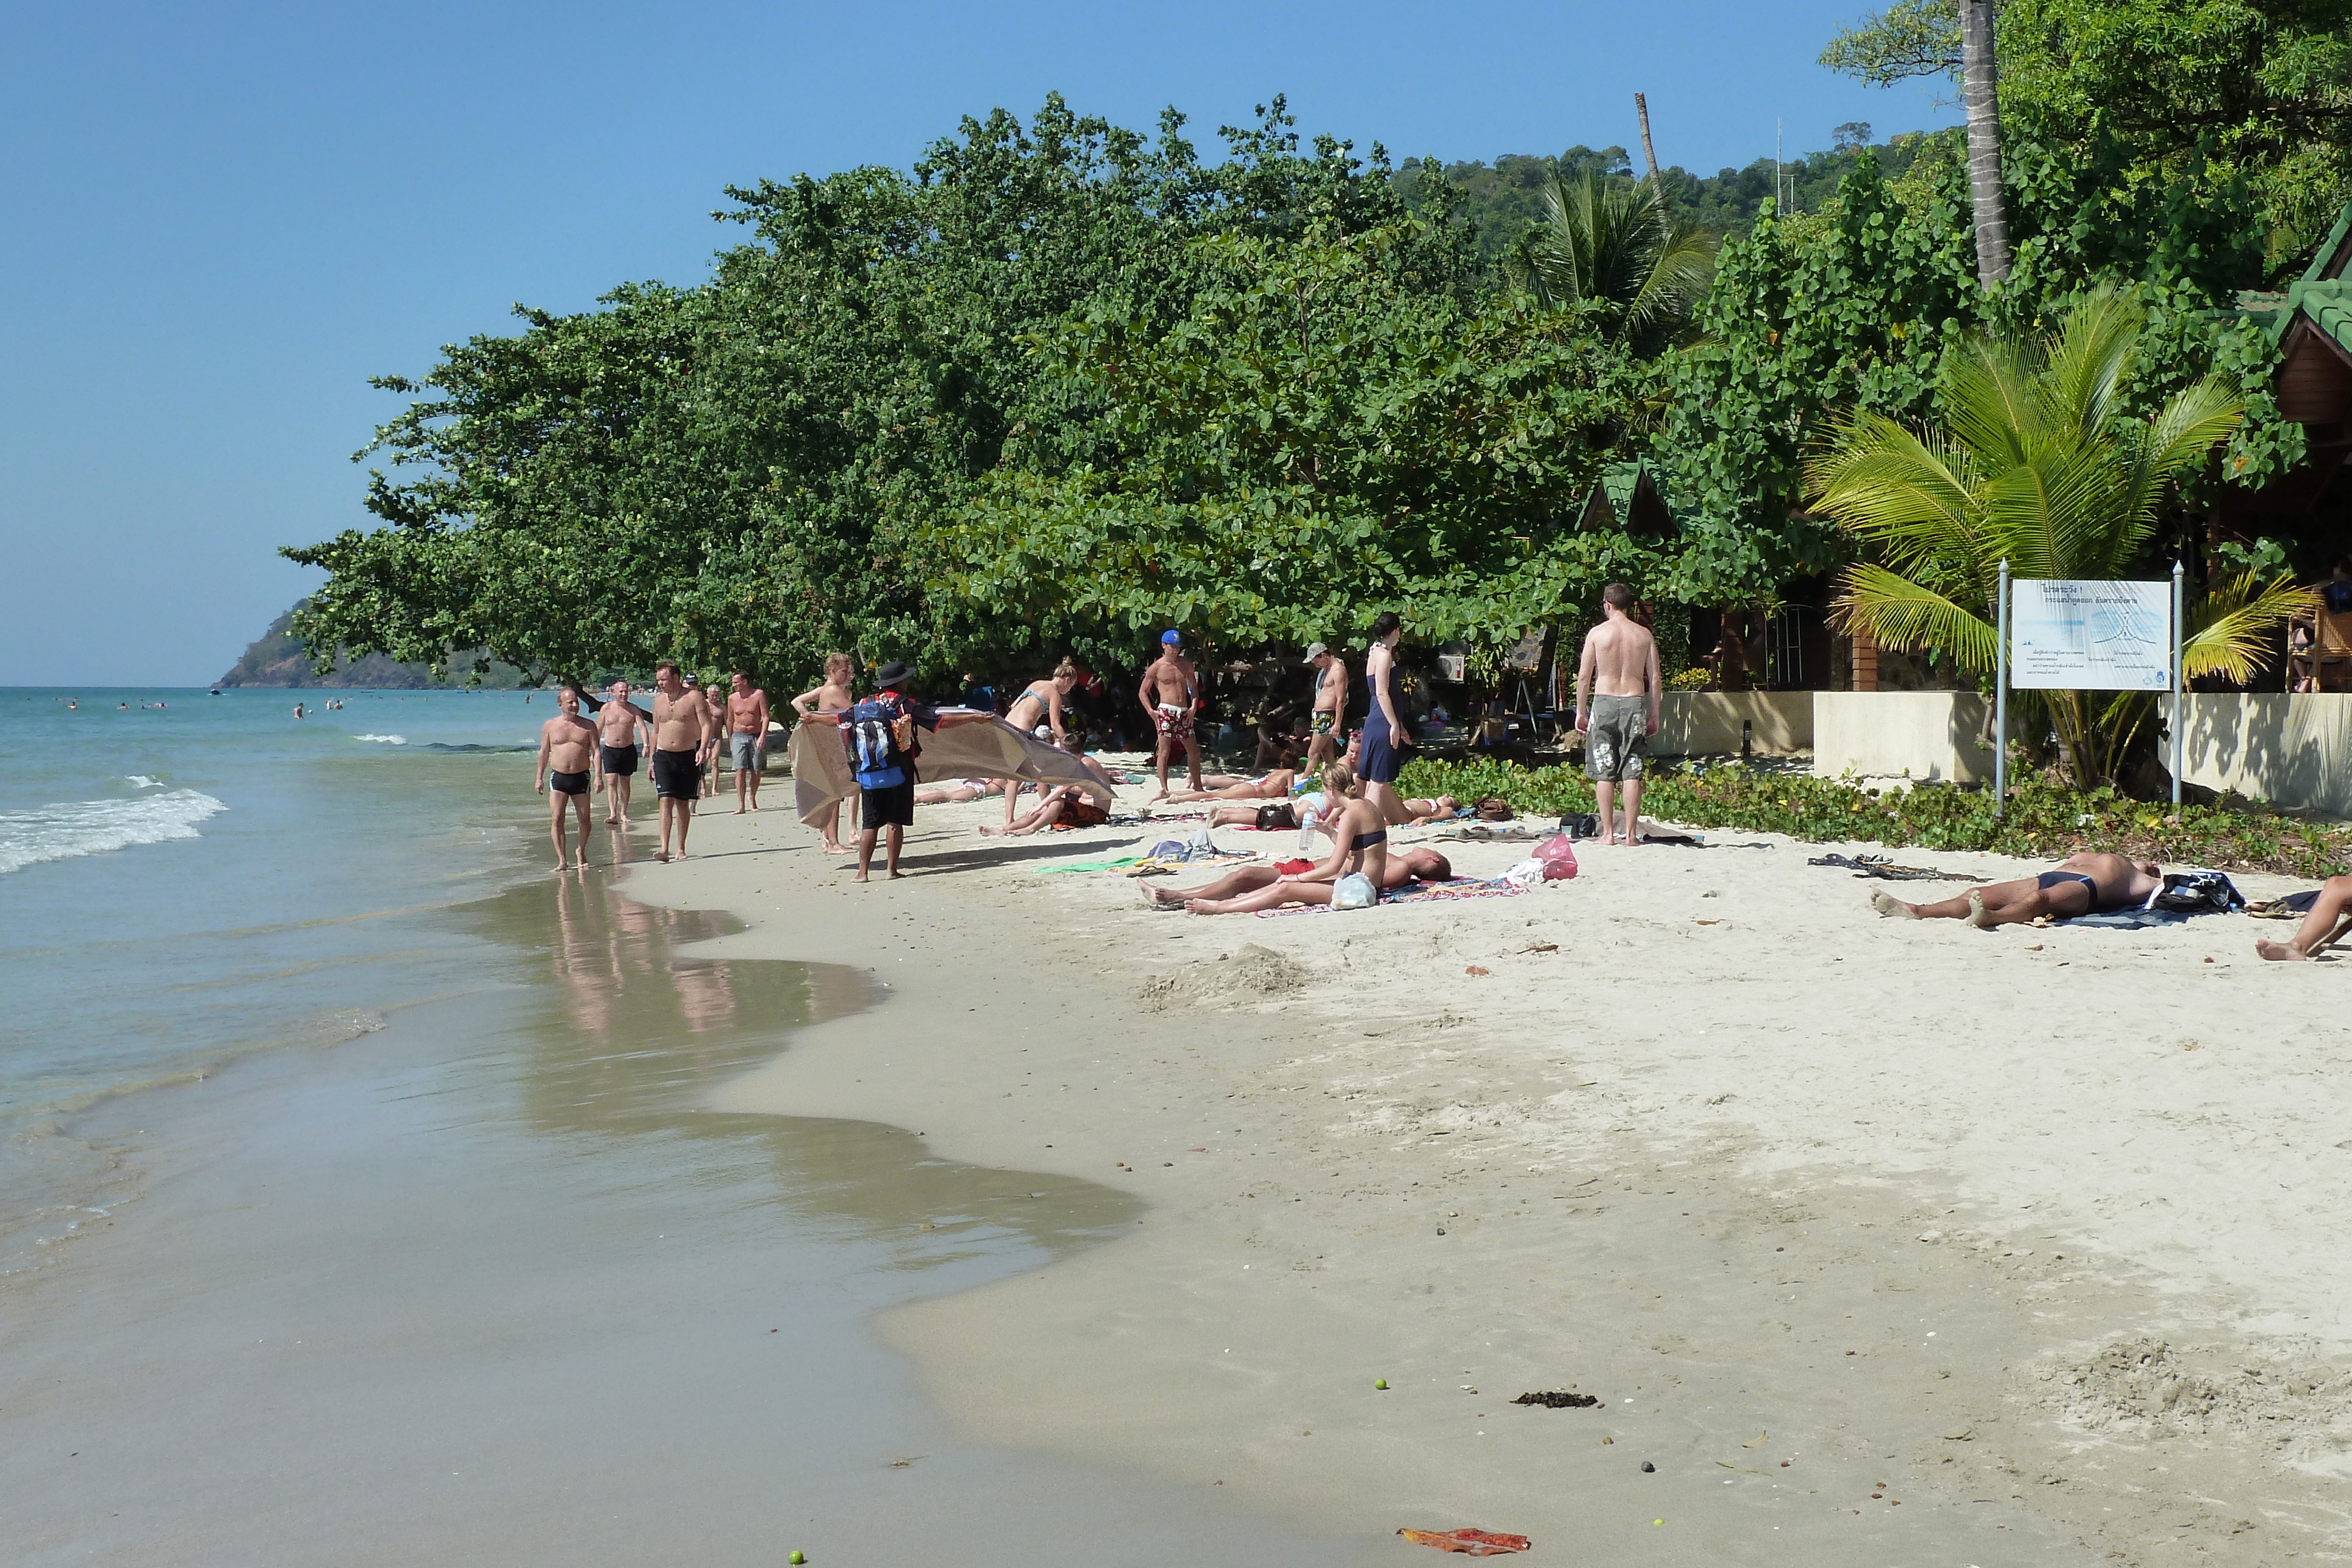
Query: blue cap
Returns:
{"type": "Point", "coordinates": [1172, 636]}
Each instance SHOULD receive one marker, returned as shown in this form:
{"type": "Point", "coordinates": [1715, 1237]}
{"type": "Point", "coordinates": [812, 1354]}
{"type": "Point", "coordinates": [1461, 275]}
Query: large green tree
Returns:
{"type": "Point", "coordinates": [752, 470]}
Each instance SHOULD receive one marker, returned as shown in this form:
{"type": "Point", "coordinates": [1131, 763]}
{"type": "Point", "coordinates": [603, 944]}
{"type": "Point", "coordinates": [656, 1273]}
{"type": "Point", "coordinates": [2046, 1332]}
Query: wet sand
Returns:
{"type": "Point", "coordinates": [493, 1285]}
{"type": "Point", "coordinates": [1882, 1241]}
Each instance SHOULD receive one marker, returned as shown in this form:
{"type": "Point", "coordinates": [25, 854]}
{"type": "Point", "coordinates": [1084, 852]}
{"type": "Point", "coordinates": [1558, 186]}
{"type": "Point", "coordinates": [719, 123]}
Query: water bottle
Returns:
{"type": "Point", "coordinates": [1307, 820]}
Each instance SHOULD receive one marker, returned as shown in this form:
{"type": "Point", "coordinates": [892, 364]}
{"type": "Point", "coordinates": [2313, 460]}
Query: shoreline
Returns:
{"type": "Point", "coordinates": [1689, 1158]}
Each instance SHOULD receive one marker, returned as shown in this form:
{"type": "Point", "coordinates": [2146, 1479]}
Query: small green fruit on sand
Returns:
{"type": "Point", "coordinates": [1379, 1383]}
{"type": "Point", "coordinates": [796, 1557]}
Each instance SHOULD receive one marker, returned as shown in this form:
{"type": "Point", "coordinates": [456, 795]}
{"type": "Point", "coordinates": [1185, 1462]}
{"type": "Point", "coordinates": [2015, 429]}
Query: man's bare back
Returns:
{"type": "Point", "coordinates": [1621, 652]}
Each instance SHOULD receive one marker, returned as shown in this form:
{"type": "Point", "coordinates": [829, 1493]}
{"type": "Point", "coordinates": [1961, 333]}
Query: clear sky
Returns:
{"type": "Point", "coordinates": [217, 221]}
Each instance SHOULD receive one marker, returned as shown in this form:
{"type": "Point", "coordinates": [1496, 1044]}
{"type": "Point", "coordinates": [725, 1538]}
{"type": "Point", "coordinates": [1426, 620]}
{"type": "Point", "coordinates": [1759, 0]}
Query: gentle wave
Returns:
{"type": "Point", "coordinates": [387, 739]}
{"type": "Point", "coordinates": [140, 781]}
{"type": "Point", "coordinates": [473, 745]}
{"type": "Point", "coordinates": [75, 828]}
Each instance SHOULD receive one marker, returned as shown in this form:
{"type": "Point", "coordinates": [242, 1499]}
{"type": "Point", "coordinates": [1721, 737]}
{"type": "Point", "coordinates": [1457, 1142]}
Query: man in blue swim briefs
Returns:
{"type": "Point", "coordinates": [2086, 884]}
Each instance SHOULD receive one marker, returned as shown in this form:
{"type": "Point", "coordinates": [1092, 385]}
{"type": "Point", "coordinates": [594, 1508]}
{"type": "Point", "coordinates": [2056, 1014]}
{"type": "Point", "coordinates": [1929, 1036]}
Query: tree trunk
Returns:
{"type": "Point", "coordinates": [1984, 140]}
{"type": "Point", "coordinates": [1650, 154]}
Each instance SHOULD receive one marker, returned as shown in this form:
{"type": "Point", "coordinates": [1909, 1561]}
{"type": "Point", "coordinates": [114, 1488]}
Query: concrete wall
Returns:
{"type": "Point", "coordinates": [2293, 750]}
{"type": "Point", "coordinates": [1941, 736]}
{"type": "Point", "coordinates": [1707, 723]}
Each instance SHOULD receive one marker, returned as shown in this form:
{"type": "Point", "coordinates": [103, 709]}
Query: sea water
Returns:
{"type": "Point", "coordinates": [185, 879]}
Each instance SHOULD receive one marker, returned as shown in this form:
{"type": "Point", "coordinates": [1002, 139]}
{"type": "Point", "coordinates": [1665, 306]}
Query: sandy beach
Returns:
{"type": "Point", "coordinates": [1897, 1241]}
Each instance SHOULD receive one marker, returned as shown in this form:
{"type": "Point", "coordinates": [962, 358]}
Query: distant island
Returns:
{"type": "Point", "coordinates": [277, 658]}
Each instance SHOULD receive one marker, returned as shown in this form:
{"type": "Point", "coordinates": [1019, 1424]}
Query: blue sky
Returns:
{"type": "Point", "coordinates": [220, 220]}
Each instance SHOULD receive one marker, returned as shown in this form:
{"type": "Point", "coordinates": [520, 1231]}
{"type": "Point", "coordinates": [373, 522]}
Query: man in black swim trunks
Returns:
{"type": "Point", "coordinates": [2086, 884]}
{"type": "Point", "coordinates": [620, 729]}
{"type": "Point", "coordinates": [567, 767]}
{"type": "Point", "coordinates": [683, 736]}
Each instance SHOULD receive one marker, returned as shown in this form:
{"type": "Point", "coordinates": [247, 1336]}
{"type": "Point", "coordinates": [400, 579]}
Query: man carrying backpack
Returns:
{"type": "Point", "coordinates": [879, 732]}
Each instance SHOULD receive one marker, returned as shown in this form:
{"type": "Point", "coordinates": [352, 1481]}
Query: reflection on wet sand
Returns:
{"type": "Point", "coordinates": [633, 1037]}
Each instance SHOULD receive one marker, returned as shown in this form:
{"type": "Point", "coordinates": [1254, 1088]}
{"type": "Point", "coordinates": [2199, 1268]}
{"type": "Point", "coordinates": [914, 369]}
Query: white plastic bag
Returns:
{"type": "Point", "coordinates": [1354, 891]}
{"type": "Point", "coordinates": [1526, 873]}
{"type": "Point", "coordinates": [1200, 847]}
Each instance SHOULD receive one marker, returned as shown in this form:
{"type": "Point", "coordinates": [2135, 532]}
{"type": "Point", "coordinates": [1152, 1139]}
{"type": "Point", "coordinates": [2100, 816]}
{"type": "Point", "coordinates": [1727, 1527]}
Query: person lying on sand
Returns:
{"type": "Point", "coordinates": [2334, 897]}
{"type": "Point", "coordinates": [957, 793]}
{"type": "Point", "coordinates": [2086, 884]}
{"type": "Point", "coordinates": [1359, 843]}
{"type": "Point", "coordinates": [1065, 805]}
{"type": "Point", "coordinates": [1274, 786]}
{"type": "Point", "coordinates": [1255, 887]}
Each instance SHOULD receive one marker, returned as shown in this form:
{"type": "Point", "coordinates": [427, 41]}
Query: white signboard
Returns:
{"type": "Point", "coordinates": [2090, 636]}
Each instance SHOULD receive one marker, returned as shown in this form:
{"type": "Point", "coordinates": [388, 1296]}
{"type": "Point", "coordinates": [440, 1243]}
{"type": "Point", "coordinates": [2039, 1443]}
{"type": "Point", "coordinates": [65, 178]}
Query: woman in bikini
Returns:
{"type": "Point", "coordinates": [1039, 706]}
{"type": "Point", "coordinates": [832, 695]}
{"type": "Point", "coordinates": [1360, 842]}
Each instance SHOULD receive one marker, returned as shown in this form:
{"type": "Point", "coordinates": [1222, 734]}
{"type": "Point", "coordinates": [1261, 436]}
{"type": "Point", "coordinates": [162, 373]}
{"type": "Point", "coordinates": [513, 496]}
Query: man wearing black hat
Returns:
{"type": "Point", "coordinates": [880, 733]}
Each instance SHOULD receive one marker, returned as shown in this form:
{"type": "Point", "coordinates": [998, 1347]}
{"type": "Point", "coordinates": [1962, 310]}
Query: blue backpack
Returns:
{"type": "Point", "coordinates": [876, 752]}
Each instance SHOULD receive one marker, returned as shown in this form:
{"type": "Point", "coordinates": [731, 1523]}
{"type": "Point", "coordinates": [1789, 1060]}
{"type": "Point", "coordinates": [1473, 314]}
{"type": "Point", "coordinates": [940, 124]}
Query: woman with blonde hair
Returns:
{"type": "Point", "coordinates": [830, 696]}
{"type": "Point", "coordinates": [1038, 706]}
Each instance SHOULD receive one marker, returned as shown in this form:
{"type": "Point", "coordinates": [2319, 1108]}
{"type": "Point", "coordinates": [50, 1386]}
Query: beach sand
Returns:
{"type": "Point", "coordinates": [1904, 1242]}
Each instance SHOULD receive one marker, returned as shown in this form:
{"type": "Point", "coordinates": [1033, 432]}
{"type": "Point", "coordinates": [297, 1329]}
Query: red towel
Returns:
{"type": "Point", "coordinates": [1292, 868]}
{"type": "Point", "coordinates": [1469, 1542]}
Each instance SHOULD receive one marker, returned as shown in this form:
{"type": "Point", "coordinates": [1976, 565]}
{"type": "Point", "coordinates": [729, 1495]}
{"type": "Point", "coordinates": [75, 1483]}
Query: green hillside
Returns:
{"type": "Point", "coordinates": [276, 658]}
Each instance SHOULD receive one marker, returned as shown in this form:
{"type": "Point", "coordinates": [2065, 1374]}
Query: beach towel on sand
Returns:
{"type": "Point", "coordinates": [823, 773]}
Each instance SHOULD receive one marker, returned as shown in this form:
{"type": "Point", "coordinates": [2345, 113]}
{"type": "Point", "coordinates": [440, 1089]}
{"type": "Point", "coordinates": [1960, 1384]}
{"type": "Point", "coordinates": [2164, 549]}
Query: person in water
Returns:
{"type": "Point", "coordinates": [2087, 884]}
{"type": "Point", "coordinates": [830, 696]}
{"type": "Point", "coordinates": [567, 768]}
{"type": "Point", "coordinates": [621, 727]}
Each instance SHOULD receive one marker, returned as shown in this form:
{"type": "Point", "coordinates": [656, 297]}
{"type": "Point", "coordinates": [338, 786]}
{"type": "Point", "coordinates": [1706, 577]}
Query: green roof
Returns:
{"type": "Point", "coordinates": [1626, 497]}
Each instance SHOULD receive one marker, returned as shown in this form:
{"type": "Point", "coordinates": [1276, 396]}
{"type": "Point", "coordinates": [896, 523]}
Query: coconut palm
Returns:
{"type": "Point", "coordinates": [1613, 242]}
{"type": "Point", "coordinates": [2031, 458]}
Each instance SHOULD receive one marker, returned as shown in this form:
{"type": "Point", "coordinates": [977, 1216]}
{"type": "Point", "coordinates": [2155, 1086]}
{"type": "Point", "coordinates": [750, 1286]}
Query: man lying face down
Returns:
{"type": "Point", "coordinates": [2088, 884]}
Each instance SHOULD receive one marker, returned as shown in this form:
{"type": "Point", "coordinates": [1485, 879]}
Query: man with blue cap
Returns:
{"type": "Point", "coordinates": [1171, 693]}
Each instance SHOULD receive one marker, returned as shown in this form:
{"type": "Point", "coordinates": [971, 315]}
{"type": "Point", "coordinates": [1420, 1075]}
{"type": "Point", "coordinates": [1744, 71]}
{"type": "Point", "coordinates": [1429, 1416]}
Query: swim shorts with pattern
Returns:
{"type": "Point", "coordinates": [1616, 735]}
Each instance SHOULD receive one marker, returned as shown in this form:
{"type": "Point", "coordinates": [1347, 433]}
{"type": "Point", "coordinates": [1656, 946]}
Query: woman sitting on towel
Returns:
{"type": "Point", "coordinates": [1255, 887]}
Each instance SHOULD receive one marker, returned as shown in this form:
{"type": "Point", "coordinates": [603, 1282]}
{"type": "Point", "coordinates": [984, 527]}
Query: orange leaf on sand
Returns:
{"type": "Point", "coordinates": [1469, 1542]}
{"type": "Point", "coordinates": [1477, 970]}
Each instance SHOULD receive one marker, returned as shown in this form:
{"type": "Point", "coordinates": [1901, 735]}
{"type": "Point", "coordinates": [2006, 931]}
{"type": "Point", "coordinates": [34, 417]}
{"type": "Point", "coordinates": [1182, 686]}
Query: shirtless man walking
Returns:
{"type": "Point", "coordinates": [683, 737]}
{"type": "Point", "coordinates": [747, 738]}
{"type": "Point", "coordinates": [1617, 688]}
{"type": "Point", "coordinates": [1330, 706]}
{"type": "Point", "coordinates": [1171, 693]}
{"type": "Point", "coordinates": [620, 731]}
{"type": "Point", "coordinates": [567, 762]}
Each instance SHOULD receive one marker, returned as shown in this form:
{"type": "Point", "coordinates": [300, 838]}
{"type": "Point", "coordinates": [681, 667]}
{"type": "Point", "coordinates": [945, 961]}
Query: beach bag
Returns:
{"type": "Point", "coordinates": [881, 735]}
{"type": "Point", "coordinates": [1275, 818]}
{"type": "Point", "coordinates": [1354, 891]}
{"type": "Point", "coordinates": [1587, 826]}
{"type": "Point", "coordinates": [1167, 850]}
{"type": "Point", "coordinates": [1558, 858]}
{"type": "Point", "coordinates": [1494, 809]}
{"type": "Point", "coordinates": [1200, 847]}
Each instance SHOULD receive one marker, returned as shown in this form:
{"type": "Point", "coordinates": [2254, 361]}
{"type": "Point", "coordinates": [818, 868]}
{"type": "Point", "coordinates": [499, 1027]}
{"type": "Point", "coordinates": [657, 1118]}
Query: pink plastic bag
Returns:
{"type": "Point", "coordinates": [1558, 858]}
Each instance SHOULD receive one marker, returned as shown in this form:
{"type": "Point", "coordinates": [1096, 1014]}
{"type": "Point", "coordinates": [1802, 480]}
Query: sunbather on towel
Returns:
{"type": "Point", "coordinates": [1065, 805]}
{"type": "Point", "coordinates": [1274, 786]}
{"type": "Point", "coordinates": [2079, 884]}
{"type": "Point", "coordinates": [2334, 898]}
{"type": "Point", "coordinates": [1255, 887]}
{"type": "Point", "coordinates": [957, 793]}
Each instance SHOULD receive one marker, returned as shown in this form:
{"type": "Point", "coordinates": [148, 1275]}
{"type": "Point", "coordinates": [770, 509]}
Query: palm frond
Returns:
{"type": "Point", "coordinates": [1986, 397]}
{"type": "Point", "coordinates": [1905, 615]}
{"type": "Point", "coordinates": [2231, 629]}
{"type": "Point", "coordinates": [2087, 359]}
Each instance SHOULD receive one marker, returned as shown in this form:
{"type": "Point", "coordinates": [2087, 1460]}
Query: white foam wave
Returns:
{"type": "Point", "coordinates": [386, 739]}
{"type": "Point", "coordinates": [73, 828]}
{"type": "Point", "coordinates": [140, 781]}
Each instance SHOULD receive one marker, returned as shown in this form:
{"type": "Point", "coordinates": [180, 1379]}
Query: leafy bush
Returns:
{"type": "Point", "coordinates": [2046, 819]}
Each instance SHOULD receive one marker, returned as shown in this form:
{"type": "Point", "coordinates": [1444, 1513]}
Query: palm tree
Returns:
{"type": "Point", "coordinates": [1615, 243]}
{"type": "Point", "coordinates": [1979, 81]}
{"type": "Point", "coordinates": [2032, 459]}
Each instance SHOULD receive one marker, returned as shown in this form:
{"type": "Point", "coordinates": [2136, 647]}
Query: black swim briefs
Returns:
{"type": "Point", "coordinates": [620, 760]}
{"type": "Point", "coordinates": [676, 775]}
{"type": "Point", "coordinates": [568, 783]}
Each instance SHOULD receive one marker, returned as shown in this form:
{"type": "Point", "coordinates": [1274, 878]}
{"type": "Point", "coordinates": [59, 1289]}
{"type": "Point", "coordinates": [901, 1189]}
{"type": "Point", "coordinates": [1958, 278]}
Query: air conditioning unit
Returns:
{"type": "Point", "coordinates": [1452, 667]}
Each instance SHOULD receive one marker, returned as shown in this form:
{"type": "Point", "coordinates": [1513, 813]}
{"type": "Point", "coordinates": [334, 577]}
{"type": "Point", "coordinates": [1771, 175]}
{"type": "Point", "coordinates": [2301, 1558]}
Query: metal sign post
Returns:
{"type": "Point", "coordinates": [2179, 688]}
{"type": "Point", "coordinates": [2001, 697]}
